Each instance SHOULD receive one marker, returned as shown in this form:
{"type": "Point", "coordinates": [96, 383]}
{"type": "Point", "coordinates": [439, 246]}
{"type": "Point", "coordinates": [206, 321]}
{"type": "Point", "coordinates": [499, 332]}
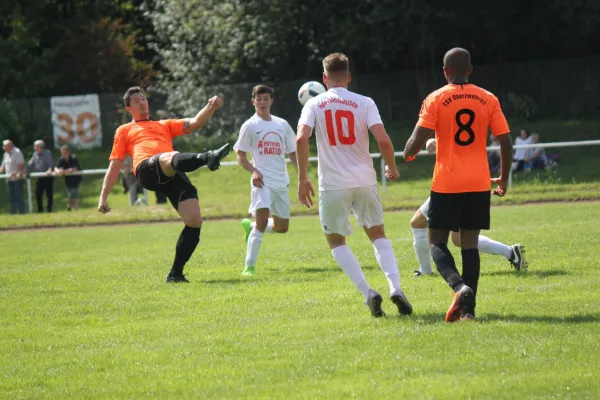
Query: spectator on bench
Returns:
{"type": "Point", "coordinates": [13, 164]}
{"type": "Point", "coordinates": [65, 166]}
{"type": "Point", "coordinates": [536, 156]}
{"type": "Point", "coordinates": [42, 161]}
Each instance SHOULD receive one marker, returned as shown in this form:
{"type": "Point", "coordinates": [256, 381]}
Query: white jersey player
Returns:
{"type": "Point", "coordinates": [515, 254]}
{"type": "Point", "coordinates": [347, 179]}
{"type": "Point", "coordinates": [268, 139]}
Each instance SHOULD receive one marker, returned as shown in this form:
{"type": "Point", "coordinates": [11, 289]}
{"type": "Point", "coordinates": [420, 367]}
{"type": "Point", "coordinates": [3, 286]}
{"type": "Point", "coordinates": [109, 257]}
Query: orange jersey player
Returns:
{"type": "Point", "coordinates": [158, 167]}
{"type": "Point", "coordinates": [460, 114]}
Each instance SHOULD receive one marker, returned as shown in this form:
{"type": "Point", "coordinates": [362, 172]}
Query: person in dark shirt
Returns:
{"type": "Point", "coordinates": [66, 165]}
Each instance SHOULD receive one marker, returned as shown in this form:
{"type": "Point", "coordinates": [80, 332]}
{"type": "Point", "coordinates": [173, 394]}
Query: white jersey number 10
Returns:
{"type": "Point", "coordinates": [345, 137]}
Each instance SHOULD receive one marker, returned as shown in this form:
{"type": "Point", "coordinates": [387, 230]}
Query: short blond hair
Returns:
{"type": "Point", "coordinates": [336, 63]}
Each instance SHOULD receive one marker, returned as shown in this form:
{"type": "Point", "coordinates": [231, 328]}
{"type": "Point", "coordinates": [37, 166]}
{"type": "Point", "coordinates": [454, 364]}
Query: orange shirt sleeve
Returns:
{"type": "Point", "coordinates": [498, 123]}
{"type": "Point", "coordinates": [428, 116]}
{"type": "Point", "coordinates": [175, 126]}
{"type": "Point", "coordinates": [119, 149]}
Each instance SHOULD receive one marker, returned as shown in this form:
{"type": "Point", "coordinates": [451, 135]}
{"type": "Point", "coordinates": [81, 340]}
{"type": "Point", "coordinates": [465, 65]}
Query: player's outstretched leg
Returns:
{"type": "Point", "coordinates": [384, 253]}
{"type": "Point", "coordinates": [515, 254]}
{"type": "Point", "coordinates": [418, 224]}
{"type": "Point", "coordinates": [187, 162]}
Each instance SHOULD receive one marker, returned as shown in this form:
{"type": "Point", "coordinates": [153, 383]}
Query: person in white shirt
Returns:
{"type": "Point", "coordinates": [347, 180]}
{"type": "Point", "coordinates": [519, 157]}
{"type": "Point", "coordinates": [268, 139]}
{"type": "Point", "coordinates": [13, 163]}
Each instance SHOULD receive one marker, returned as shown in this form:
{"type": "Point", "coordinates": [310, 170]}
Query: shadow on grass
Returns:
{"type": "Point", "coordinates": [435, 318]}
{"type": "Point", "coordinates": [221, 281]}
{"type": "Point", "coordinates": [528, 273]}
{"type": "Point", "coordinates": [332, 269]}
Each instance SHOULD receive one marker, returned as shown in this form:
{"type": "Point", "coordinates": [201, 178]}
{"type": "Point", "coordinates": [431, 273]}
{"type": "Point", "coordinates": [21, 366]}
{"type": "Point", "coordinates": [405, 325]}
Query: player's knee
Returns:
{"type": "Point", "coordinates": [261, 224]}
{"type": "Point", "coordinates": [418, 221]}
{"type": "Point", "coordinates": [194, 221]}
{"type": "Point", "coordinates": [281, 229]}
{"type": "Point", "coordinates": [455, 237]}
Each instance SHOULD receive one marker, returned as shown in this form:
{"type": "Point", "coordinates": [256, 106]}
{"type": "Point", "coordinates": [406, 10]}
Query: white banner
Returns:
{"type": "Point", "coordinates": [76, 121]}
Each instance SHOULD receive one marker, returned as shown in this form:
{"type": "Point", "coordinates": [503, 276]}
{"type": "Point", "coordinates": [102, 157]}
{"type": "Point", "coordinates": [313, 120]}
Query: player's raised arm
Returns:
{"type": "Point", "coordinates": [191, 124]}
{"type": "Point", "coordinates": [305, 188]}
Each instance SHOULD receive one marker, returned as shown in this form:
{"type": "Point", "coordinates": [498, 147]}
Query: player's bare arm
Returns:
{"type": "Point", "coordinates": [305, 187]}
{"type": "Point", "coordinates": [191, 124]}
{"type": "Point", "coordinates": [506, 157]}
{"type": "Point", "coordinates": [293, 159]}
{"type": "Point", "coordinates": [416, 141]}
{"type": "Point", "coordinates": [386, 148]}
{"type": "Point", "coordinates": [257, 177]}
{"type": "Point", "coordinates": [111, 177]}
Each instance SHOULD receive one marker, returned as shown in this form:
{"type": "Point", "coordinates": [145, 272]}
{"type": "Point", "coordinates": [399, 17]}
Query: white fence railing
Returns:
{"type": "Point", "coordinates": [582, 143]}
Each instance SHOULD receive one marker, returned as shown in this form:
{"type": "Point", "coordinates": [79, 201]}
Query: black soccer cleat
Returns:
{"type": "Point", "coordinates": [404, 306]}
{"type": "Point", "coordinates": [215, 156]}
{"type": "Point", "coordinates": [517, 258]}
{"type": "Point", "coordinates": [177, 279]}
{"type": "Point", "coordinates": [374, 303]}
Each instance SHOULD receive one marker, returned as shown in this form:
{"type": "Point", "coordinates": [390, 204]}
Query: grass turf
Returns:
{"type": "Point", "coordinates": [86, 313]}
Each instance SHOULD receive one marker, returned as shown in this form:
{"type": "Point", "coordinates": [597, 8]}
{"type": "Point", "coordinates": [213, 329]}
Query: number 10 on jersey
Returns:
{"type": "Point", "coordinates": [345, 136]}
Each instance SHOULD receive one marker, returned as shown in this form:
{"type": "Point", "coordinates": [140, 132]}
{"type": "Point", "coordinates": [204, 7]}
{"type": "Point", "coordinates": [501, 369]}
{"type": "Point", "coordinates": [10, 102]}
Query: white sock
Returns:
{"type": "Point", "coordinates": [348, 262]}
{"type": "Point", "coordinates": [269, 228]}
{"type": "Point", "coordinates": [490, 246]}
{"type": "Point", "coordinates": [254, 242]}
{"type": "Point", "coordinates": [422, 250]}
{"type": "Point", "coordinates": [387, 261]}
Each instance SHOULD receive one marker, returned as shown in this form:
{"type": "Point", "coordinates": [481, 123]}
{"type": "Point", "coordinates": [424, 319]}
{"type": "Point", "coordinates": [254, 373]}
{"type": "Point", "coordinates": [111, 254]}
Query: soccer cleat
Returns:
{"type": "Point", "coordinates": [419, 273]}
{"type": "Point", "coordinates": [467, 317]}
{"type": "Point", "coordinates": [374, 303]}
{"type": "Point", "coordinates": [463, 303]}
{"type": "Point", "coordinates": [404, 306]}
{"type": "Point", "coordinates": [517, 258]}
{"type": "Point", "coordinates": [247, 224]}
{"type": "Point", "coordinates": [177, 279]}
{"type": "Point", "coordinates": [248, 271]}
{"type": "Point", "coordinates": [215, 156]}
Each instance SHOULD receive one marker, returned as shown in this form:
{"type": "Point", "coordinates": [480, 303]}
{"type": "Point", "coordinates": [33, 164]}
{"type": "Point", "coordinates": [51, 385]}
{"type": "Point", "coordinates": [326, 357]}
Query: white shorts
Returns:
{"type": "Point", "coordinates": [335, 207]}
{"type": "Point", "coordinates": [276, 200]}
{"type": "Point", "coordinates": [425, 208]}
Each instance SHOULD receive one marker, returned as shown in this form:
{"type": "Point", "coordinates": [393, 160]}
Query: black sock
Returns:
{"type": "Point", "coordinates": [188, 162]}
{"type": "Point", "coordinates": [471, 267]}
{"type": "Point", "coordinates": [186, 244]}
{"type": "Point", "coordinates": [445, 265]}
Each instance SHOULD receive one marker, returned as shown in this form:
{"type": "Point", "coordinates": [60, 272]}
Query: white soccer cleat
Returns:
{"type": "Point", "coordinates": [517, 258]}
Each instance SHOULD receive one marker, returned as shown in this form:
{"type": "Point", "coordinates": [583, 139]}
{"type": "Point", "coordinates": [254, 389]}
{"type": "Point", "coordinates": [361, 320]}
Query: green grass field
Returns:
{"type": "Point", "coordinates": [86, 313]}
{"type": "Point", "coordinates": [226, 193]}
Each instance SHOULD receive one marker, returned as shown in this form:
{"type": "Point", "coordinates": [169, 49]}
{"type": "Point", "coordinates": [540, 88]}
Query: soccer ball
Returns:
{"type": "Point", "coordinates": [310, 90]}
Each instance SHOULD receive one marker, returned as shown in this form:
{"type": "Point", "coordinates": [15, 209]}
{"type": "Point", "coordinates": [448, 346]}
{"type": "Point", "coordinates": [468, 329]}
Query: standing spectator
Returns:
{"type": "Point", "coordinates": [13, 164]}
{"type": "Point", "coordinates": [131, 183]}
{"type": "Point", "coordinates": [519, 157]}
{"type": "Point", "coordinates": [42, 161]}
{"type": "Point", "coordinates": [536, 156]}
{"type": "Point", "coordinates": [68, 164]}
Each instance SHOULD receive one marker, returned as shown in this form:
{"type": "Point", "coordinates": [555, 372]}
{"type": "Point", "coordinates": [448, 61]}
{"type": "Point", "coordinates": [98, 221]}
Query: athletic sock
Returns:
{"type": "Point", "coordinates": [349, 264]}
{"type": "Point", "coordinates": [388, 264]}
{"type": "Point", "coordinates": [186, 244]}
{"type": "Point", "coordinates": [422, 251]}
{"type": "Point", "coordinates": [188, 162]}
{"type": "Point", "coordinates": [253, 247]}
{"type": "Point", "coordinates": [446, 267]}
{"type": "Point", "coordinates": [487, 245]}
{"type": "Point", "coordinates": [471, 268]}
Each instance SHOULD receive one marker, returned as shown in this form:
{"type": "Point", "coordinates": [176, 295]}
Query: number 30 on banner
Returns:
{"type": "Point", "coordinates": [86, 127]}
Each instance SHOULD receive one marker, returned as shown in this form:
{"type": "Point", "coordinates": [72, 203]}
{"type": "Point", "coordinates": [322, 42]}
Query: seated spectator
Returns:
{"type": "Point", "coordinates": [519, 157]}
{"type": "Point", "coordinates": [66, 165]}
{"type": "Point", "coordinates": [536, 156]}
{"type": "Point", "coordinates": [494, 156]}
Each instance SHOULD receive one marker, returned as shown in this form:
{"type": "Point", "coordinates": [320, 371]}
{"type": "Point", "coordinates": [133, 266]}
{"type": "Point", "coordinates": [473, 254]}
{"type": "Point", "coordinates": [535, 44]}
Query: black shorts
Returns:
{"type": "Point", "coordinates": [177, 187]}
{"type": "Point", "coordinates": [453, 211]}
